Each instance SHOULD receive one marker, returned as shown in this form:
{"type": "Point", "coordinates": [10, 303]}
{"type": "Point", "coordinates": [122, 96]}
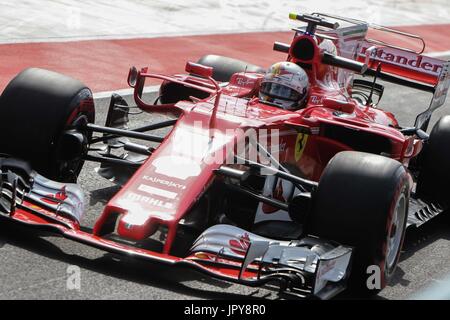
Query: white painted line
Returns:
{"type": "Point", "coordinates": [157, 191]}
{"type": "Point", "coordinates": [138, 36]}
{"type": "Point", "coordinates": [65, 20]}
{"type": "Point", "coordinates": [154, 89]}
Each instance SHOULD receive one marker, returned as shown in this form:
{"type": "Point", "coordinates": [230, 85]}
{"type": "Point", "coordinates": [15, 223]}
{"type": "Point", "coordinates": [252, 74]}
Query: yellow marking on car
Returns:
{"type": "Point", "coordinates": [300, 145]}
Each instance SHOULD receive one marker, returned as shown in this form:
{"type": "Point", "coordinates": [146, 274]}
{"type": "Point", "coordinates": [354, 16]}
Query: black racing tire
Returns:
{"type": "Point", "coordinates": [171, 93]}
{"type": "Point", "coordinates": [362, 201]}
{"type": "Point", "coordinates": [434, 177]}
{"type": "Point", "coordinates": [224, 67]}
{"type": "Point", "coordinates": [36, 107]}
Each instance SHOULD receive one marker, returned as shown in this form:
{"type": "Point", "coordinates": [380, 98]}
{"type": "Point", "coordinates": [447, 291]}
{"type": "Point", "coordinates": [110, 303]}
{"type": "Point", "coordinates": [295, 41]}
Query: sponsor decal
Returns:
{"type": "Point", "coordinates": [404, 59]}
{"type": "Point", "coordinates": [281, 147]}
{"type": "Point", "coordinates": [277, 195]}
{"type": "Point", "coordinates": [439, 97]}
{"type": "Point", "coordinates": [245, 82]}
{"type": "Point", "coordinates": [157, 191]}
{"type": "Point", "coordinates": [440, 93]}
{"type": "Point", "coordinates": [56, 198]}
{"type": "Point", "coordinates": [240, 245]}
{"type": "Point", "coordinates": [163, 182]}
{"type": "Point", "coordinates": [177, 167]}
{"type": "Point", "coordinates": [278, 189]}
{"type": "Point", "coordinates": [325, 267]}
{"type": "Point", "coordinates": [300, 145]}
{"type": "Point", "coordinates": [316, 100]}
{"type": "Point", "coordinates": [149, 200]}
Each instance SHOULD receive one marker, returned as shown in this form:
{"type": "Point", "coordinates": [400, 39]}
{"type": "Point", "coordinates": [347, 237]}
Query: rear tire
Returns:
{"type": "Point", "coordinates": [224, 67]}
{"type": "Point", "coordinates": [36, 108]}
{"type": "Point", "coordinates": [362, 201]}
{"type": "Point", "coordinates": [434, 177]}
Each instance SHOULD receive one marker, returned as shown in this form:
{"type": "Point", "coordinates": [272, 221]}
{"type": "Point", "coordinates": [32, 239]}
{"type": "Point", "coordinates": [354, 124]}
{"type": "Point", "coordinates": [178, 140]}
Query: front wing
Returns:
{"type": "Point", "coordinates": [308, 267]}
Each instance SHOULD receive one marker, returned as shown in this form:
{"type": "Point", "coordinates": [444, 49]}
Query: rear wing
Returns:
{"type": "Point", "coordinates": [419, 71]}
{"type": "Point", "coordinates": [405, 66]}
{"type": "Point", "coordinates": [439, 97]}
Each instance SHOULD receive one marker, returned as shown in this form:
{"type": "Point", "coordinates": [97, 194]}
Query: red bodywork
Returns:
{"type": "Point", "coordinates": [161, 195]}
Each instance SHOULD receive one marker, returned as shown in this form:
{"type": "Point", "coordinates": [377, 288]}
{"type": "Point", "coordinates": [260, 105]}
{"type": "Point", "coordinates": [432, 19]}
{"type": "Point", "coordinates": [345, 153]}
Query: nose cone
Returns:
{"type": "Point", "coordinates": [136, 226]}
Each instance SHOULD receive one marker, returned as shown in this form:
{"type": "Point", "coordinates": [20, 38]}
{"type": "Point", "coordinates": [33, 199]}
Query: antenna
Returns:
{"type": "Point", "coordinates": [313, 21]}
{"type": "Point", "coordinates": [369, 100]}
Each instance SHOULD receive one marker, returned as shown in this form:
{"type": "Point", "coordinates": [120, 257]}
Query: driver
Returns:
{"type": "Point", "coordinates": [286, 85]}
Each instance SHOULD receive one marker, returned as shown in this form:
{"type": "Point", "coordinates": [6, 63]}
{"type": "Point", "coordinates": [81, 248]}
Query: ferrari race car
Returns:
{"type": "Point", "coordinates": [308, 201]}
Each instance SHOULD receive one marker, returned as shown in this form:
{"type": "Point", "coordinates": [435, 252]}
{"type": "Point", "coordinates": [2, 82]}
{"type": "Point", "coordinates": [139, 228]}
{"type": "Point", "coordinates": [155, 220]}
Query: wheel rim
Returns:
{"type": "Point", "coordinates": [396, 232]}
{"type": "Point", "coordinates": [68, 170]}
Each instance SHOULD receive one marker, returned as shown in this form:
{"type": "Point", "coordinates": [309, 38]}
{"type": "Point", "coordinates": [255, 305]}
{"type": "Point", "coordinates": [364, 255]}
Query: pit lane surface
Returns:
{"type": "Point", "coordinates": [97, 41]}
{"type": "Point", "coordinates": [35, 266]}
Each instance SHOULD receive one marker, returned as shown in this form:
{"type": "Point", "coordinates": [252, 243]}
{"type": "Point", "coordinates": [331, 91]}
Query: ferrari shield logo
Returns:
{"type": "Point", "coordinates": [300, 145]}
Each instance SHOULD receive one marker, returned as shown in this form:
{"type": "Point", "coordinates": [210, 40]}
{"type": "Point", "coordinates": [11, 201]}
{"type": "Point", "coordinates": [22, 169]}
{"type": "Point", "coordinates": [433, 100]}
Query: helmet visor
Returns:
{"type": "Point", "coordinates": [276, 90]}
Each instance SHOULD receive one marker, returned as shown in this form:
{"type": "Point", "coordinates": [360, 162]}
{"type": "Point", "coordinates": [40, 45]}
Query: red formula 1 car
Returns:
{"type": "Point", "coordinates": [309, 200]}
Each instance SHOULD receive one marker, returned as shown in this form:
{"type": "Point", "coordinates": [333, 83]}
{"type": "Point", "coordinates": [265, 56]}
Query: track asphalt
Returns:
{"type": "Point", "coordinates": [91, 41]}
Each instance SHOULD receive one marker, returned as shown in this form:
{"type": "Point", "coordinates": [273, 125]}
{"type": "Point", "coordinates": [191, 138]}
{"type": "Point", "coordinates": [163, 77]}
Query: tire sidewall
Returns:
{"type": "Point", "coordinates": [387, 273]}
{"type": "Point", "coordinates": [354, 205]}
{"type": "Point", "coordinates": [81, 106]}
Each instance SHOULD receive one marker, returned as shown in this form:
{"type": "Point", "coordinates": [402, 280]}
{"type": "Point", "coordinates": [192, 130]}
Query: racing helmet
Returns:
{"type": "Point", "coordinates": [286, 85]}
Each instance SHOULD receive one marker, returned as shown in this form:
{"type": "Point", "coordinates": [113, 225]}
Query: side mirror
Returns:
{"type": "Point", "coordinates": [343, 106]}
{"type": "Point", "coordinates": [199, 69]}
{"type": "Point", "coordinates": [132, 77]}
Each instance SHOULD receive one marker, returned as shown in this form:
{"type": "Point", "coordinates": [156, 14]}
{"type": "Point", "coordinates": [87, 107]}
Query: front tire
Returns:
{"type": "Point", "coordinates": [362, 201]}
{"type": "Point", "coordinates": [37, 107]}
